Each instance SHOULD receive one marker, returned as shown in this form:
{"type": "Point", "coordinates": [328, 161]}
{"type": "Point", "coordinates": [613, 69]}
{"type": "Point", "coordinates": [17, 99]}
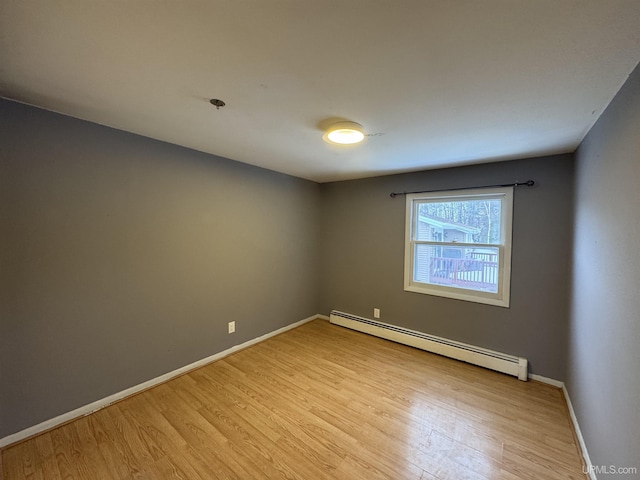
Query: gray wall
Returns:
{"type": "Point", "coordinates": [123, 258]}
{"type": "Point", "coordinates": [604, 356]}
{"type": "Point", "coordinates": [362, 259]}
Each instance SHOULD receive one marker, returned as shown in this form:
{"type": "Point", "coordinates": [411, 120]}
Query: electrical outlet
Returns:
{"type": "Point", "coordinates": [232, 327]}
{"type": "Point", "coordinates": [376, 313]}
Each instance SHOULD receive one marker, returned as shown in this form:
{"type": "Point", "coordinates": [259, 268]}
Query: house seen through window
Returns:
{"type": "Point", "coordinates": [458, 244]}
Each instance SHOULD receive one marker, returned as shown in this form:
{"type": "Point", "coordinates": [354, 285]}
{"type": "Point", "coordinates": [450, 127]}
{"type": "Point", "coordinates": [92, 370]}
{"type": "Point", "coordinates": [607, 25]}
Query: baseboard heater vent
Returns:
{"type": "Point", "coordinates": [501, 362]}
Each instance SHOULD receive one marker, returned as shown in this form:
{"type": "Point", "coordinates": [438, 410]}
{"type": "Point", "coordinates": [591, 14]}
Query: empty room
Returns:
{"type": "Point", "coordinates": [320, 240]}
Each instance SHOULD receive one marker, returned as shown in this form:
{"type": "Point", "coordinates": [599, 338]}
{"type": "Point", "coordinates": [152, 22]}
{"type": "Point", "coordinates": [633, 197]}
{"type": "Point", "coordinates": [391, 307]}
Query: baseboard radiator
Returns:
{"type": "Point", "coordinates": [501, 362]}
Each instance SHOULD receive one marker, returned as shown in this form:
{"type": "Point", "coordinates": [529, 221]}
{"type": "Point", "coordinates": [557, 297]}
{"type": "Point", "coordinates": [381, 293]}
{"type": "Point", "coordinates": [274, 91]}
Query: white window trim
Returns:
{"type": "Point", "coordinates": [502, 297]}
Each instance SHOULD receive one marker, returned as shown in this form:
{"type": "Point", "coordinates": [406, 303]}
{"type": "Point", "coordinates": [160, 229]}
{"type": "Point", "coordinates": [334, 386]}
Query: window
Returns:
{"type": "Point", "coordinates": [458, 244]}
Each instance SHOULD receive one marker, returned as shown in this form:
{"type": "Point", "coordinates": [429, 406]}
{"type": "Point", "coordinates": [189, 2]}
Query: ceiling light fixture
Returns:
{"type": "Point", "coordinates": [344, 133]}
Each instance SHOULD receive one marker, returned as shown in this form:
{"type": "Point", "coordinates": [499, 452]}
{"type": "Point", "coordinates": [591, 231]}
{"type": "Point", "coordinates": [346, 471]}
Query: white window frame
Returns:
{"type": "Point", "coordinates": [502, 296]}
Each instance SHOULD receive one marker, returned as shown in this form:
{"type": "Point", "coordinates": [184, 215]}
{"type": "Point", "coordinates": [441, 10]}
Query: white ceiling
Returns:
{"type": "Point", "coordinates": [437, 82]}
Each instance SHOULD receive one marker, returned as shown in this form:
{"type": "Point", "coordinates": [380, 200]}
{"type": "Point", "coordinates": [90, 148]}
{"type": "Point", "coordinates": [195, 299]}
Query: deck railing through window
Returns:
{"type": "Point", "coordinates": [479, 271]}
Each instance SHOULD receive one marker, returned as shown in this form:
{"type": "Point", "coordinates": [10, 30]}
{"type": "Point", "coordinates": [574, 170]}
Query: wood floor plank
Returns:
{"type": "Point", "coordinates": [92, 459]}
{"type": "Point", "coordinates": [46, 467]}
{"type": "Point", "coordinates": [317, 402]}
{"type": "Point", "coordinates": [121, 457]}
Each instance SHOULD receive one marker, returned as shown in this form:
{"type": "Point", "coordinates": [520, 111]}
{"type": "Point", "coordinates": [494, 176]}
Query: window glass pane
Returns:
{"type": "Point", "coordinates": [464, 221]}
{"type": "Point", "coordinates": [460, 267]}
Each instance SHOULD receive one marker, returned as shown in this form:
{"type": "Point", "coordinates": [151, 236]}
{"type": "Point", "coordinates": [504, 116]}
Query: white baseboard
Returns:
{"type": "Point", "coordinates": [574, 420]}
{"type": "Point", "coordinates": [104, 402]}
{"type": "Point", "coordinates": [323, 317]}
{"type": "Point", "coordinates": [576, 427]}
{"type": "Point", "coordinates": [547, 380]}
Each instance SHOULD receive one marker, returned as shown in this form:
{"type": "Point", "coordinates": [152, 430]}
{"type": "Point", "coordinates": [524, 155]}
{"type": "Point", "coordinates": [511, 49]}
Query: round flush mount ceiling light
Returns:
{"type": "Point", "coordinates": [344, 133]}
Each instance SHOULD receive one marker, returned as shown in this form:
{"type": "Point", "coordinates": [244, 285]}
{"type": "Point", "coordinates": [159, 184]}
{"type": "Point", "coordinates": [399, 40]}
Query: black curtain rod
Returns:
{"type": "Point", "coordinates": [528, 183]}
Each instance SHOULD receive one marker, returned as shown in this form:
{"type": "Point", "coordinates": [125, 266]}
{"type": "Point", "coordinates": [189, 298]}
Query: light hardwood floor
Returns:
{"type": "Point", "coordinates": [318, 402]}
